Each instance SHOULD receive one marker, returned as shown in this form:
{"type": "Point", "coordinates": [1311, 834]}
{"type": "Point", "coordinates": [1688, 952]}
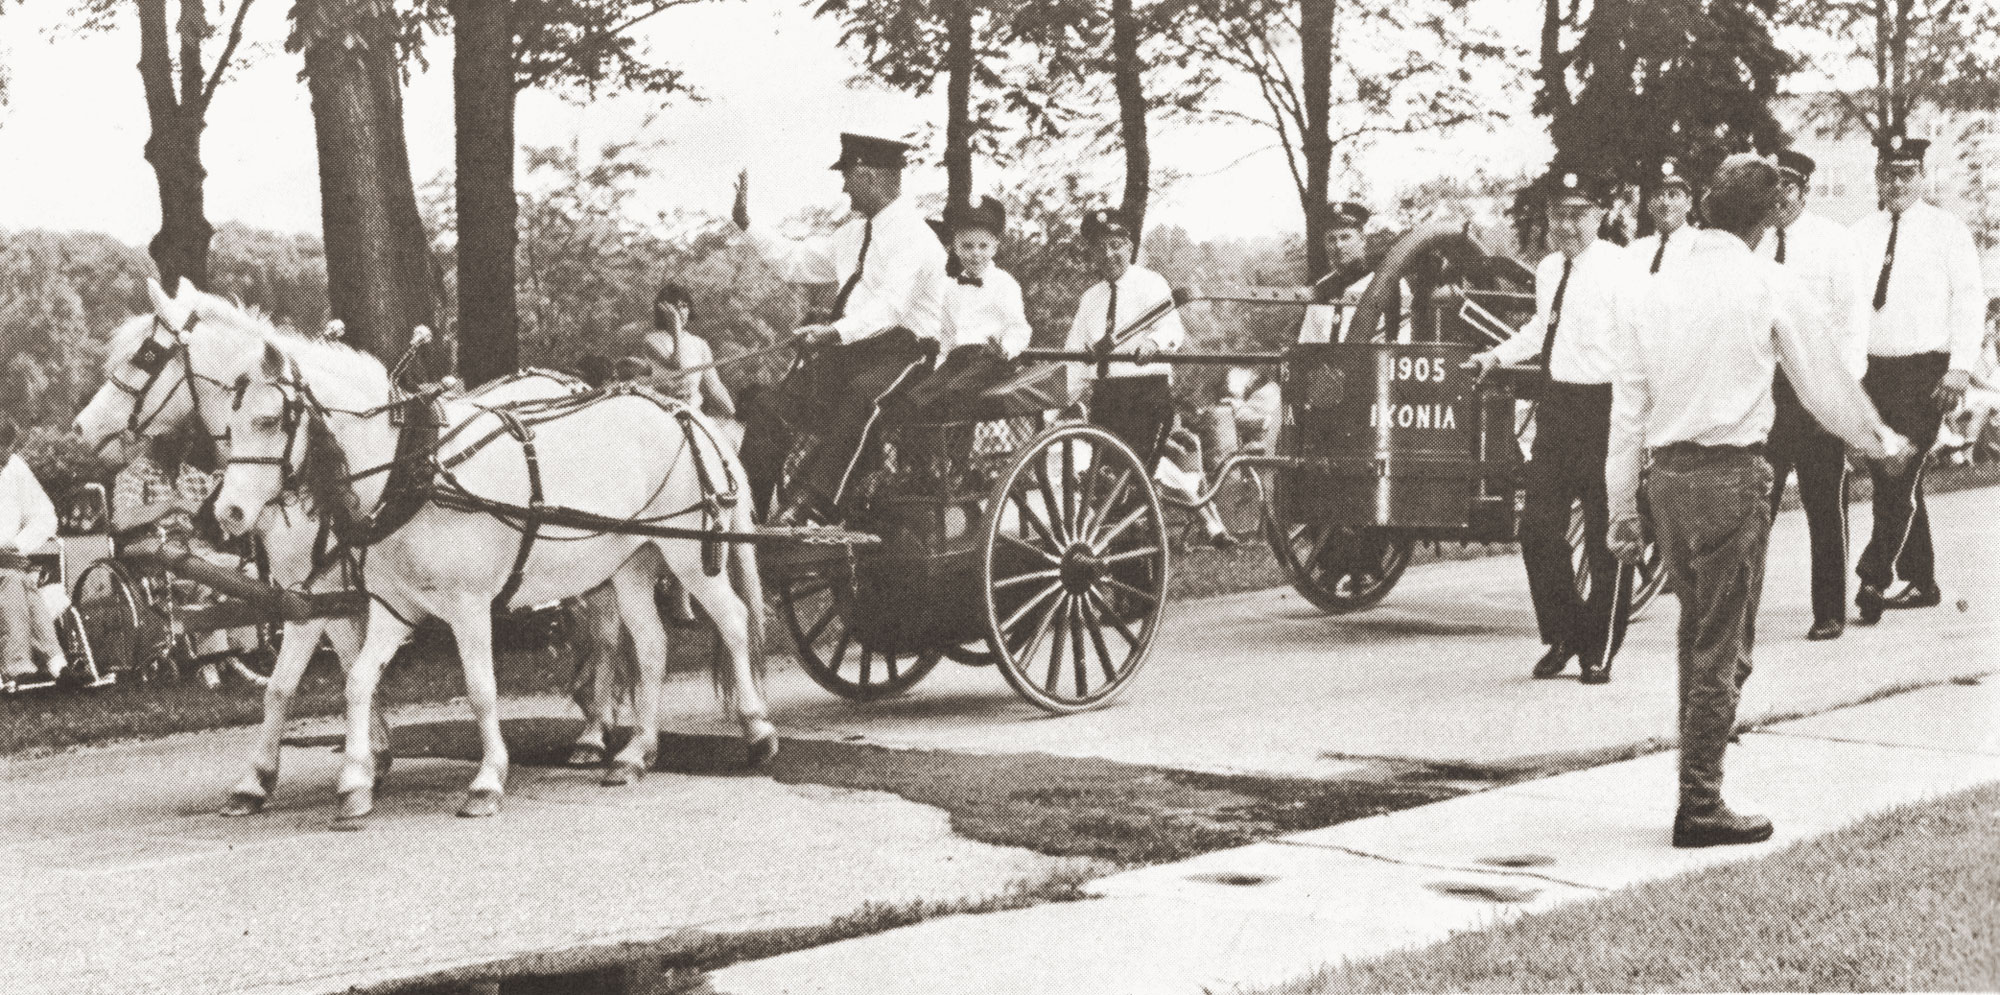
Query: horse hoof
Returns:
{"type": "Point", "coordinates": [241, 803]}
{"type": "Point", "coordinates": [480, 804]}
{"type": "Point", "coordinates": [622, 774]}
{"type": "Point", "coordinates": [762, 749]}
{"type": "Point", "coordinates": [355, 807]}
{"type": "Point", "coordinates": [586, 756]}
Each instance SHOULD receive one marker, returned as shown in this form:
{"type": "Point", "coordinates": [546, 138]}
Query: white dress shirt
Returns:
{"type": "Point", "coordinates": [1820, 255]}
{"type": "Point", "coordinates": [27, 517]}
{"type": "Point", "coordinates": [1582, 355]}
{"type": "Point", "coordinates": [902, 284]}
{"type": "Point", "coordinates": [1321, 319]}
{"type": "Point", "coordinates": [1936, 302]}
{"type": "Point", "coordinates": [1694, 358]}
{"type": "Point", "coordinates": [1642, 250]}
{"type": "Point", "coordinates": [1139, 291]}
{"type": "Point", "coordinates": [990, 312]}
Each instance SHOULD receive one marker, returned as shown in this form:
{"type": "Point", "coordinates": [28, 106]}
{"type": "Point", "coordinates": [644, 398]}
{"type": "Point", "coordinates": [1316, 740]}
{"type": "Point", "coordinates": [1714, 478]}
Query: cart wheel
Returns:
{"type": "Point", "coordinates": [814, 607]}
{"type": "Point", "coordinates": [113, 624]}
{"type": "Point", "coordinates": [1649, 579]}
{"type": "Point", "coordinates": [1075, 545]}
{"type": "Point", "coordinates": [1339, 570]}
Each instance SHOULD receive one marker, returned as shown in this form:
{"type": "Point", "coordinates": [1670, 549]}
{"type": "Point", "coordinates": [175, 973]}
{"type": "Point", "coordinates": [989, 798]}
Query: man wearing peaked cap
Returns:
{"type": "Point", "coordinates": [882, 329]}
{"type": "Point", "coordinates": [985, 322]}
{"type": "Point", "coordinates": [1344, 231]}
{"type": "Point", "coordinates": [1668, 201]}
{"type": "Point", "coordinates": [1818, 257]}
{"type": "Point", "coordinates": [1577, 292]}
{"type": "Point", "coordinates": [1131, 313]}
{"type": "Point", "coordinates": [1920, 277]}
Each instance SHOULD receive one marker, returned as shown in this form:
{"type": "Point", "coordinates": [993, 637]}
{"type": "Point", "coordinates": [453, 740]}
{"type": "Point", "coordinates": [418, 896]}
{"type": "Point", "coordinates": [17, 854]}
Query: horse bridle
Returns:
{"type": "Point", "coordinates": [299, 405]}
{"type": "Point", "coordinates": [151, 358]}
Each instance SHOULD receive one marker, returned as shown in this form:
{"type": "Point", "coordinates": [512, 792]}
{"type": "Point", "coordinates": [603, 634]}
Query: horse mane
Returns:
{"type": "Point", "coordinates": [322, 474]}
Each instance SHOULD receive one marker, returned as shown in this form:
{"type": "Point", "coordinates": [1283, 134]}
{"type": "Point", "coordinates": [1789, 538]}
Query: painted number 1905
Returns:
{"type": "Point", "coordinates": [1421, 368]}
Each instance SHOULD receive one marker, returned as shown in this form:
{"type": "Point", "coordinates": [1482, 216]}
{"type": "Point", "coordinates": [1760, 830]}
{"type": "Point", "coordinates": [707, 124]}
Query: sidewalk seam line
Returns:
{"type": "Point", "coordinates": [1871, 742]}
{"type": "Point", "coordinates": [1504, 871]}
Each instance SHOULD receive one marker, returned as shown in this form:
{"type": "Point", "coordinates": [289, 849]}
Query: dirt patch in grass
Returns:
{"type": "Point", "coordinates": [1060, 806]}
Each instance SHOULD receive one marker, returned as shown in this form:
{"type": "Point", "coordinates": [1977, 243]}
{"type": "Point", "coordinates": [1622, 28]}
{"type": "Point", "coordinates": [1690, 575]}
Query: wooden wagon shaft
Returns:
{"type": "Point", "coordinates": [270, 601]}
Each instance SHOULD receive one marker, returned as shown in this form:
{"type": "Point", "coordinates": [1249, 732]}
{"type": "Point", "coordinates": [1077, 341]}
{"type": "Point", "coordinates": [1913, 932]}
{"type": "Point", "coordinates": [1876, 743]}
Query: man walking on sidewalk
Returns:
{"type": "Point", "coordinates": [1922, 346]}
{"type": "Point", "coordinates": [1693, 359]}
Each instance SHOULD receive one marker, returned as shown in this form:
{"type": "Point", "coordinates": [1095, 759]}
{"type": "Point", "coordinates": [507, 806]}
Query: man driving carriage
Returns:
{"type": "Point", "coordinates": [27, 520]}
{"type": "Point", "coordinates": [880, 333]}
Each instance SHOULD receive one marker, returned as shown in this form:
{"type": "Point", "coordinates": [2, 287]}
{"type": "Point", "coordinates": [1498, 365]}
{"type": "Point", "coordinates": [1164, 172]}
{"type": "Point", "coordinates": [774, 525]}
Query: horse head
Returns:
{"type": "Point", "coordinates": [282, 436]}
{"type": "Point", "coordinates": [162, 369]}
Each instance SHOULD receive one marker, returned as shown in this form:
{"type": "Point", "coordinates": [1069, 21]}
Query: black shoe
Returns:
{"type": "Point", "coordinates": [1916, 596]}
{"type": "Point", "coordinates": [1719, 828]}
{"type": "Point", "coordinates": [1829, 629]}
{"type": "Point", "coordinates": [1594, 673]}
{"type": "Point", "coordinates": [1868, 605]}
{"type": "Point", "coordinates": [1553, 662]}
{"type": "Point", "coordinates": [1223, 540]}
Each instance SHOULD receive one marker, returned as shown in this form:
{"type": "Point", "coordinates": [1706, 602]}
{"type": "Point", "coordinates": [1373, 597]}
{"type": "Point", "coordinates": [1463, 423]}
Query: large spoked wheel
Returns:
{"type": "Point", "coordinates": [1074, 567]}
{"type": "Point", "coordinates": [113, 621]}
{"type": "Point", "coordinates": [1649, 579]}
{"type": "Point", "coordinates": [1340, 570]}
{"type": "Point", "coordinates": [814, 607]}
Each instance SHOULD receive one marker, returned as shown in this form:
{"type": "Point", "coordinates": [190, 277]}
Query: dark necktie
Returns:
{"type": "Point", "coordinates": [1658, 255]}
{"type": "Point", "coordinates": [1110, 339]}
{"type": "Point", "coordinates": [1781, 247]}
{"type": "Point", "coordinates": [971, 281]}
{"type": "Point", "coordinates": [1888, 263]}
{"type": "Point", "coordinates": [1556, 314]}
{"type": "Point", "coordinates": [854, 278]}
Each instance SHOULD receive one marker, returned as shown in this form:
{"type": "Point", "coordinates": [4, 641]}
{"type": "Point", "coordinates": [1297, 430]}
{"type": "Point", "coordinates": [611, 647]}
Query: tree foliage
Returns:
{"type": "Point", "coordinates": [1916, 53]}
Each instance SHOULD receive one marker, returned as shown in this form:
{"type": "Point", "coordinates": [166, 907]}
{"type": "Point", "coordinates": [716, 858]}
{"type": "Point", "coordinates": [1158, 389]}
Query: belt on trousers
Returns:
{"type": "Point", "coordinates": [1694, 450]}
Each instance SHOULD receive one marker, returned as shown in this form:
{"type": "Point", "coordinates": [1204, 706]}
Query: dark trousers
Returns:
{"type": "Point", "coordinates": [1712, 517]}
{"type": "Point", "coordinates": [835, 398]}
{"type": "Point", "coordinates": [1138, 410]}
{"type": "Point", "coordinates": [951, 392]}
{"type": "Point", "coordinates": [1799, 443]}
{"type": "Point", "coordinates": [1899, 543]}
{"type": "Point", "coordinates": [1572, 434]}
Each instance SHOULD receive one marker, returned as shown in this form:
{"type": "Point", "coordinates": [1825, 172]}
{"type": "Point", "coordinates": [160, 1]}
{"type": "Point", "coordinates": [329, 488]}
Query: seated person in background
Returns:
{"type": "Point", "coordinates": [1179, 475]}
{"type": "Point", "coordinates": [154, 504]}
{"type": "Point", "coordinates": [671, 347]}
{"type": "Point", "coordinates": [1965, 428]}
{"type": "Point", "coordinates": [27, 521]}
{"type": "Point", "coordinates": [985, 324]}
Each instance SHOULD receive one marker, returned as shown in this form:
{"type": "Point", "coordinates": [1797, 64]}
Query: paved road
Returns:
{"type": "Point", "coordinates": [110, 854]}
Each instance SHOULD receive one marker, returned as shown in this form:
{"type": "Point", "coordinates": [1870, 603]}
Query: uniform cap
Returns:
{"type": "Point", "coordinates": [1896, 150]}
{"type": "Point", "coordinates": [1795, 165]}
{"type": "Point", "coordinates": [867, 150]}
{"type": "Point", "coordinates": [987, 215]}
{"type": "Point", "coordinates": [1577, 185]}
{"type": "Point", "coordinates": [1104, 222]}
{"type": "Point", "coordinates": [1671, 175]}
{"type": "Point", "coordinates": [1346, 214]}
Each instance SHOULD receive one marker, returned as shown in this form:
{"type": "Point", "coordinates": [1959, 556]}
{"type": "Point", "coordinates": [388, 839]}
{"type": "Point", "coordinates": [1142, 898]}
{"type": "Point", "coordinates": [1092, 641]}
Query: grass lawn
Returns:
{"type": "Point", "coordinates": [1908, 900]}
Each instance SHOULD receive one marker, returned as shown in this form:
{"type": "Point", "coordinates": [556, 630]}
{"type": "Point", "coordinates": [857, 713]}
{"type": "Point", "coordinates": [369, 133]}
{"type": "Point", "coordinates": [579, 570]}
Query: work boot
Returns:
{"type": "Point", "coordinates": [1829, 629]}
{"type": "Point", "coordinates": [1720, 827]}
{"type": "Point", "coordinates": [1553, 662]}
{"type": "Point", "coordinates": [1868, 605]}
{"type": "Point", "coordinates": [1915, 596]}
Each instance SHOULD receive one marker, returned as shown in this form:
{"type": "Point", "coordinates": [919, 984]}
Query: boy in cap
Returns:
{"type": "Point", "coordinates": [1693, 361]}
{"type": "Point", "coordinates": [1577, 292]}
{"type": "Point", "coordinates": [1668, 204]}
{"type": "Point", "coordinates": [985, 323]}
{"type": "Point", "coordinates": [1922, 281]}
{"type": "Point", "coordinates": [1133, 400]}
{"type": "Point", "coordinates": [1818, 256]}
{"type": "Point", "coordinates": [882, 331]}
{"type": "Point", "coordinates": [27, 521]}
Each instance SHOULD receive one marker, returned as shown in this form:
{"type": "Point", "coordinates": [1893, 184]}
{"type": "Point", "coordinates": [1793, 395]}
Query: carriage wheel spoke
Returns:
{"type": "Point", "coordinates": [839, 654]}
{"type": "Point", "coordinates": [1014, 540]}
{"type": "Point", "coordinates": [1034, 521]}
{"type": "Point", "coordinates": [890, 660]}
{"type": "Point", "coordinates": [1077, 662]}
{"type": "Point", "coordinates": [1023, 578]}
{"type": "Point", "coordinates": [867, 664]}
{"type": "Point", "coordinates": [1056, 646]}
{"type": "Point", "coordinates": [1089, 489]}
{"type": "Point", "coordinates": [1034, 641]}
{"type": "Point", "coordinates": [1091, 617]}
{"type": "Point", "coordinates": [1131, 554]}
{"type": "Point", "coordinates": [1059, 522]}
{"type": "Point", "coordinates": [1319, 546]}
{"type": "Point", "coordinates": [1028, 606]}
{"type": "Point", "coordinates": [819, 627]}
{"type": "Point", "coordinates": [1104, 610]}
{"type": "Point", "coordinates": [1103, 508]}
{"type": "Point", "coordinates": [1147, 596]}
{"type": "Point", "coordinates": [1070, 509]}
{"type": "Point", "coordinates": [1101, 542]}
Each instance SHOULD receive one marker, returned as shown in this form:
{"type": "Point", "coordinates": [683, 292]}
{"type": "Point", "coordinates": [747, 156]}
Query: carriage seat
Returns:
{"type": "Point", "coordinates": [1030, 391]}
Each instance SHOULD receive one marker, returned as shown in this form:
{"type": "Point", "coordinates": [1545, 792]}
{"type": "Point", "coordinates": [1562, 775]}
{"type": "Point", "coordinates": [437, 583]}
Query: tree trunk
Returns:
{"type": "Point", "coordinates": [378, 263]}
{"type": "Point", "coordinates": [1131, 114]}
{"type": "Point", "coordinates": [958, 94]}
{"type": "Point", "coordinates": [482, 75]}
{"type": "Point", "coordinates": [180, 249]}
{"type": "Point", "coordinates": [1554, 94]}
{"type": "Point", "coordinates": [1316, 92]}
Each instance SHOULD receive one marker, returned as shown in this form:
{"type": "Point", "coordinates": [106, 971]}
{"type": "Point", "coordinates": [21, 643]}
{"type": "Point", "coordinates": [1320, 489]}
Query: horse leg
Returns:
{"type": "Point", "coordinates": [731, 617]}
{"type": "Point", "coordinates": [346, 636]}
{"type": "Point", "coordinates": [633, 583]}
{"type": "Point", "coordinates": [598, 690]}
{"type": "Point", "coordinates": [356, 786]}
{"type": "Point", "coordinates": [471, 622]}
{"type": "Point", "coordinates": [254, 790]}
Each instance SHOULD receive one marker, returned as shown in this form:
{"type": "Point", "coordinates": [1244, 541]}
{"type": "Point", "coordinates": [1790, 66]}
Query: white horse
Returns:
{"type": "Point", "coordinates": [314, 409]}
{"type": "Point", "coordinates": [161, 375]}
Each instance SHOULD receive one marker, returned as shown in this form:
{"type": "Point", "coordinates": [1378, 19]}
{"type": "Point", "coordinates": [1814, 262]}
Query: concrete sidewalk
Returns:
{"type": "Point", "coordinates": [1277, 910]}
